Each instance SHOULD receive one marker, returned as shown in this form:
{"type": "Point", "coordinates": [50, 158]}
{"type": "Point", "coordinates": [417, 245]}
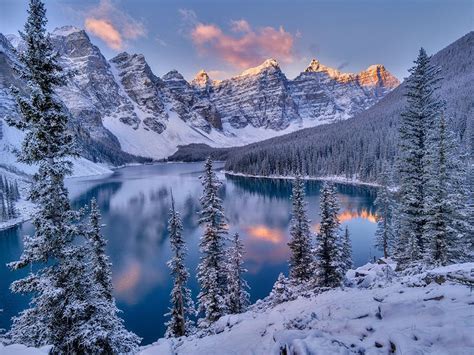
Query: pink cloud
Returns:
{"type": "Point", "coordinates": [245, 46]}
{"type": "Point", "coordinates": [105, 31]}
{"type": "Point", "coordinates": [112, 25]}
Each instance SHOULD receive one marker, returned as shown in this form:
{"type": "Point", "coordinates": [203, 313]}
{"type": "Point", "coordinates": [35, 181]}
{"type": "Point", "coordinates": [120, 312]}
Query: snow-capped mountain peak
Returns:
{"type": "Point", "coordinates": [266, 65]}
{"type": "Point", "coordinates": [120, 102]}
{"type": "Point", "coordinates": [66, 30]}
{"type": "Point", "coordinates": [201, 79]}
{"type": "Point", "coordinates": [377, 75]}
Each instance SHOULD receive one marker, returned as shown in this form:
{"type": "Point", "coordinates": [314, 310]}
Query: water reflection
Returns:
{"type": "Point", "coordinates": [135, 201]}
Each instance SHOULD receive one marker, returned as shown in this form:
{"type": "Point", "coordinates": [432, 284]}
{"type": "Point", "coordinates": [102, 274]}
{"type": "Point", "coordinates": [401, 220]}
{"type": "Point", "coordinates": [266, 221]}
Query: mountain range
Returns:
{"type": "Point", "coordinates": [362, 146]}
{"type": "Point", "coordinates": [122, 112]}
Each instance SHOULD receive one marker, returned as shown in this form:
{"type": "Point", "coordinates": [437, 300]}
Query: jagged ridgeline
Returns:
{"type": "Point", "coordinates": [119, 109]}
{"type": "Point", "coordinates": [358, 147]}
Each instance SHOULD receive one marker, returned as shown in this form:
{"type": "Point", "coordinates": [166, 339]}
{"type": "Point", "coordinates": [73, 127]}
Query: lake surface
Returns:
{"type": "Point", "coordinates": [135, 202]}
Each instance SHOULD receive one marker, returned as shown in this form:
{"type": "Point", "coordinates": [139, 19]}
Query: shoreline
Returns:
{"type": "Point", "coordinates": [335, 179]}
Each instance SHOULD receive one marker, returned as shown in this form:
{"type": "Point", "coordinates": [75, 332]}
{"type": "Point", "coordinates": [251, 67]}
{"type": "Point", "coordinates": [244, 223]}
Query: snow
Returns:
{"type": "Point", "coordinates": [409, 314]}
{"type": "Point", "coordinates": [65, 30]}
{"type": "Point", "coordinates": [333, 178]}
{"type": "Point", "coordinates": [18, 349]}
{"type": "Point", "coordinates": [377, 311]}
{"type": "Point", "coordinates": [269, 63]}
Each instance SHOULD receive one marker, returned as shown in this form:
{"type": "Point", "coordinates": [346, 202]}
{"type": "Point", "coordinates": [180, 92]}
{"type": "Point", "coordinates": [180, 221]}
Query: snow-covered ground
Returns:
{"type": "Point", "coordinates": [335, 178]}
{"type": "Point", "coordinates": [377, 312]}
{"type": "Point", "coordinates": [428, 313]}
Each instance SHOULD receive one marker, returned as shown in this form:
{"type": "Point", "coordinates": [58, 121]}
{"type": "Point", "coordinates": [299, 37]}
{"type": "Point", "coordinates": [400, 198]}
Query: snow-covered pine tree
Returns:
{"type": "Point", "coordinates": [211, 269]}
{"type": "Point", "coordinates": [56, 282]}
{"type": "Point", "coordinates": [3, 206]}
{"type": "Point", "coordinates": [448, 228]}
{"type": "Point", "coordinates": [328, 265]}
{"type": "Point", "coordinates": [281, 291]}
{"type": "Point", "coordinates": [384, 204]}
{"type": "Point", "coordinates": [238, 297]}
{"type": "Point", "coordinates": [422, 109]}
{"type": "Point", "coordinates": [300, 236]}
{"type": "Point", "coordinates": [346, 251]}
{"type": "Point", "coordinates": [182, 306]}
{"type": "Point", "coordinates": [102, 331]}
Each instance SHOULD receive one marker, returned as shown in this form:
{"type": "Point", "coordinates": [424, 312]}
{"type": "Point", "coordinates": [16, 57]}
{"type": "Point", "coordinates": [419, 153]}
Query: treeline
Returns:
{"type": "Point", "coordinates": [9, 195]}
{"type": "Point", "coordinates": [361, 146]}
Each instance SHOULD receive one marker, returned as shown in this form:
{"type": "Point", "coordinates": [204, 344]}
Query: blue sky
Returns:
{"type": "Point", "coordinates": [224, 37]}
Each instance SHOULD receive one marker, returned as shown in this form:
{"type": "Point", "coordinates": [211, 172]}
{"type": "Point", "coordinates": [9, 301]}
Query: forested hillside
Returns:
{"type": "Point", "coordinates": [358, 147]}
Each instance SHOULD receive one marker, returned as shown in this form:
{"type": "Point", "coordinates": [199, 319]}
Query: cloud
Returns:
{"type": "Point", "coordinates": [105, 31]}
{"type": "Point", "coordinates": [112, 25]}
{"type": "Point", "coordinates": [243, 46]}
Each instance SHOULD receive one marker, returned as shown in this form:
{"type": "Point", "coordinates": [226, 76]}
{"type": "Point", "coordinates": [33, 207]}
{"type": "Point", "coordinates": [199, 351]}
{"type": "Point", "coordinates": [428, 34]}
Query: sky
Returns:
{"type": "Point", "coordinates": [224, 37]}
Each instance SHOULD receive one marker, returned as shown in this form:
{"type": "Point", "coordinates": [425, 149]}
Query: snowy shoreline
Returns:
{"type": "Point", "coordinates": [336, 179]}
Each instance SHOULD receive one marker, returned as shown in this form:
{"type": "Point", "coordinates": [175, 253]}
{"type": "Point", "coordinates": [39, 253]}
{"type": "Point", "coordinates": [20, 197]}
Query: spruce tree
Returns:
{"type": "Point", "coordinates": [346, 251]}
{"type": "Point", "coordinates": [238, 297]}
{"type": "Point", "coordinates": [328, 265]}
{"type": "Point", "coordinates": [57, 284]}
{"type": "Point", "coordinates": [419, 116]}
{"type": "Point", "coordinates": [384, 204]}
{"type": "Point", "coordinates": [300, 236]}
{"type": "Point", "coordinates": [102, 331]}
{"type": "Point", "coordinates": [182, 306]}
{"type": "Point", "coordinates": [281, 291]}
{"type": "Point", "coordinates": [211, 271]}
{"type": "Point", "coordinates": [3, 215]}
{"type": "Point", "coordinates": [447, 228]}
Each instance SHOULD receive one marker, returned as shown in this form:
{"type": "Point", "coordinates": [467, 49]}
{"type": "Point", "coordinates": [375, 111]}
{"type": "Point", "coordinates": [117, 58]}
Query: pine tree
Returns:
{"type": "Point", "coordinates": [3, 215]}
{"type": "Point", "coordinates": [346, 251]}
{"type": "Point", "coordinates": [102, 332]}
{"type": "Point", "coordinates": [238, 297]}
{"type": "Point", "coordinates": [384, 204]}
{"type": "Point", "coordinates": [328, 264]}
{"type": "Point", "coordinates": [447, 228]}
{"type": "Point", "coordinates": [182, 306]}
{"type": "Point", "coordinates": [423, 106]}
{"type": "Point", "coordinates": [300, 236]}
{"type": "Point", "coordinates": [211, 269]}
{"type": "Point", "coordinates": [59, 289]}
{"type": "Point", "coordinates": [281, 291]}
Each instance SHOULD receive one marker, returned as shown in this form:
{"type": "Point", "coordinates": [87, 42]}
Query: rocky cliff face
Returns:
{"type": "Point", "coordinates": [117, 103]}
{"type": "Point", "coordinates": [143, 88]}
{"type": "Point", "coordinates": [259, 97]}
{"type": "Point", "coordinates": [325, 94]}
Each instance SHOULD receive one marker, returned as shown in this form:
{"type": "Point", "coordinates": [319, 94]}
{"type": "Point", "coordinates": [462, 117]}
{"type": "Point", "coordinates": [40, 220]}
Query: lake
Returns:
{"type": "Point", "coordinates": [135, 202]}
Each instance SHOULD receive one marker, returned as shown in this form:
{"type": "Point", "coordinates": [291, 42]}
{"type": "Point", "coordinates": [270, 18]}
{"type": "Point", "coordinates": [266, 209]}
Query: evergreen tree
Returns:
{"type": "Point", "coordinates": [281, 291]}
{"type": "Point", "coordinates": [3, 215]}
{"type": "Point", "coordinates": [300, 235]}
{"type": "Point", "coordinates": [182, 306]}
{"type": "Point", "coordinates": [346, 251]}
{"type": "Point", "coordinates": [102, 331]}
{"type": "Point", "coordinates": [328, 264]}
{"type": "Point", "coordinates": [422, 109]}
{"type": "Point", "coordinates": [211, 269]}
{"type": "Point", "coordinates": [238, 297]}
{"type": "Point", "coordinates": [59, 304]}
{"type": "Point", "coordinates": [384, 235]}
{"type": "Point", "coordinates": [447, 228]}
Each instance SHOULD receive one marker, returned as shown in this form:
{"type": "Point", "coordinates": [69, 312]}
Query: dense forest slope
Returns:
{"type": "Point", "coordinates": [358, 147]}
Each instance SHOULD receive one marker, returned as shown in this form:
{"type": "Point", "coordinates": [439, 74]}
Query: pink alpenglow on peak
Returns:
{"type": "Point", "coordinates": [374, 75]}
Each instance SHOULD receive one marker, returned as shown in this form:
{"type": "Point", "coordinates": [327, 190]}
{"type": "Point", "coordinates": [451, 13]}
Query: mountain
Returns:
{"type": "Point", "coordinates": [121, 111]}
{"type": "Point", "coordinates": [358, 147]}
{"type": "Point", "coordinates": [325, 94]}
